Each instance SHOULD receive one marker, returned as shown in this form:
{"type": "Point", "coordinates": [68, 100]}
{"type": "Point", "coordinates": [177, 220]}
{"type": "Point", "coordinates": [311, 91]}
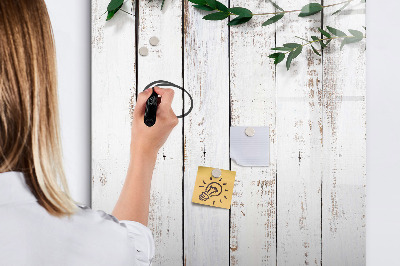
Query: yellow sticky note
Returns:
{"type": "Point", "coordinates": [212, 191]}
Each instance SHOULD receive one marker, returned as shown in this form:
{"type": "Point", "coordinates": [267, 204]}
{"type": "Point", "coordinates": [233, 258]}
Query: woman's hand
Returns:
{"type": "Point", "coordinates": [133, 203]}
{"type": "Point", "coordinates": [146, 141]}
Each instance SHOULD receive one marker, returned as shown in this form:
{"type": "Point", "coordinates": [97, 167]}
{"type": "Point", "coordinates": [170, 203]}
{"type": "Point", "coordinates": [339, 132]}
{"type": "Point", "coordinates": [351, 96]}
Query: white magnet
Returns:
{"type": "Point", "coordinates": [250, 131]}
{"type": "Point", "coordinates": [154, 41]}
{"type": "Point", "coordinates": [216, 173]}
{"type": "Point", "coordinates": [143, 51]}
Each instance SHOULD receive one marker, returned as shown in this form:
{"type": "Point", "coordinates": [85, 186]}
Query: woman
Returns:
{"type": "Point", "coordinates": [39, 222]}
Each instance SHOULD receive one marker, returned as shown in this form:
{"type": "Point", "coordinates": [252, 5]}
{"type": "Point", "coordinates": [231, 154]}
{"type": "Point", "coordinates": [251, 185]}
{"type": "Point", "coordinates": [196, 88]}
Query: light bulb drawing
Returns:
{"type": "Point", "coordinates": [213, 189]}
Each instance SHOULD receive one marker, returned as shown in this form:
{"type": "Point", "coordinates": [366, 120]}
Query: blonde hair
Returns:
{"type": "Point", "coordinates": [29, 118]}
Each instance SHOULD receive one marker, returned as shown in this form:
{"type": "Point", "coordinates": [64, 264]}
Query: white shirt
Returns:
{"type": "Point", "coordinates": [29, 235]}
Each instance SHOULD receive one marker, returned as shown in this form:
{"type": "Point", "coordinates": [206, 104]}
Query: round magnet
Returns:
{"type": "Point", "coordinates": [250, 131]}
{"type": "Point", "coordinates": [216, 173]}
{"type": "Point", "coordinates": [143, 51]}
{"type": "Point", "coordinates": [154, 41]}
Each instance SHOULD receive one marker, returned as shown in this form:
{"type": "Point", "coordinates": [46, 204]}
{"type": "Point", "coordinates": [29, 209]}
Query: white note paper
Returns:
{"type": "Point", "coordinates": [249, 150]}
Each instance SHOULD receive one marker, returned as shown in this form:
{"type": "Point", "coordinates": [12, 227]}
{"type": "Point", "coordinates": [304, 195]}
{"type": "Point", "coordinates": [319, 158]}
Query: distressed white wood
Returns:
{"type": "Point", "coordinates": [206, 134]}
{"type": "Point", "coordinates": [164, 62]}
{"type": "Point", "coordinates": [344, 120]}
{"type": "Point", "coordinates": [316, 112]}
{"type": "Point", "coordinates": [299, 145]}
{"type": "Point", "coordinates": [113, 97]}
{"type": "Point", "coordinates": [252, 73]}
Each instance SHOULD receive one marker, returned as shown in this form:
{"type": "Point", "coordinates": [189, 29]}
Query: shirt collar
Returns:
{"type": "Point", "coordinates": [13, 188]}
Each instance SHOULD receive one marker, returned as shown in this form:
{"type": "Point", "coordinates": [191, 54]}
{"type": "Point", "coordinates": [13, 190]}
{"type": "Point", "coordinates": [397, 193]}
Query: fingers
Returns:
{"type": "Point", "coordinates": [141, 102]}
{"type": "Point", "coordinates": [167, 95]}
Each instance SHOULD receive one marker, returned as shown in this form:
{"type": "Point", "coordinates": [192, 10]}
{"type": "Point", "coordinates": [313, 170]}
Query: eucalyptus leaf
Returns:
{"type": "Point", "coordinates": [291, 45]}
{"type": "Point", "coordinates": [278, 57]}
{"type": "Point", "coordinates": [315, 50]}
{"type": "Point", "coordinates": [111, 13]}
{"type": "Point", "coordinates": [357, 33]}
{"type": "Point", "coordinates": [114, 5]}
{"type": "Point", "coordinates": [240, 11]}
{"type": "Point", "coordinates": [349, 40]}
{"type": "Point", "coordinates": [273, 19]}
{"type": "Point", "coordinates": [238, 20]}
{"type": "Point", "coordinates": [336, 32]}
{"type": "Point", "coordinates": [216, 16]}
{"type": "Point", "coordinates": [222, 7]}
{"type": "Point", "coordinates": [340, 9]}
{"type": "Point", "coordinates": [292, 55]}
{"type": "Point", "coordinates": [276, 6]}
{"type": "Point", "coordinates": [326, 34]}
{"type": "Point", "coordinates": [310, 9]}
{"type": "Point", "coordinates": [212, 3]}
{"type": "Point", "coordinates": [206, 8]}
{"type": "Point", "coordinates": [281, 49]}
{"type": "Point", "coordinates": [199, 2]}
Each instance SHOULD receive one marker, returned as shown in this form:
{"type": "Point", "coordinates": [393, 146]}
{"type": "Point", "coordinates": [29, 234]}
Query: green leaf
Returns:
{"type": "Point", "coordinates": [222, 7]}
{"type": "Point", "coordinates": [238, 20]}
{"type": "Point", "coordinates": [336, 32]}
{"type": "Point", "coordinates": [281, 49]}
{"type": "Point", "coordinates": [240, 11]}
{"type": "Point", "coordinates": [111, 13]}
{"type": "Point", "coordinates": [315, 50]}
{"type": "Point", "coordinates": [357, 33]}
{"type": "Point", "coordinates": [276, 6]}
{"type": "Point", "coordinates": [162, 4]}
{"type": "Point", "coordinates": [212, 3]}
{"type": "Point", "coordinates": [349, 40]}
{"type": "Point", "coordinates": [340, 9]}
{"type": "Point", "coordinates": [273, 19]}
{"type": "Point", "coordinates": [326, 34]}
{"type": "Point", "coordinates": [302, 38]}
{"type": "Point", "coordinates": [199, 2]}
{"type": "Point", "coordinates": [216, 16]}
{"type": "Point", "coordinates": [317, 39]}
{"type": "Point", "coordinates": [114, 5]}
{"type": "Point", "coordinates": [292, 55]}
{"type": "Point", "coordinates": [206, 8]}
{"type": "Point", "coordinates": [278, 57]}
{"type": "Point", "coordinates": [310, 9]}
{"type": "Point", "coordinates": [291, 45]}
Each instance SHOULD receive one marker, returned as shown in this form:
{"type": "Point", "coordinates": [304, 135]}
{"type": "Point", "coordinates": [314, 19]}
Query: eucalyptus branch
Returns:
{"type": "Point", "coordinates": [294, 49]}
{"type": "Point", "coordinates": [299, 10]}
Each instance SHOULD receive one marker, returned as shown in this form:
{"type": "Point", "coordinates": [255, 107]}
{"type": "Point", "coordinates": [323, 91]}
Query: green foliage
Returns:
{"type": "Point", "coordinates": [336, 32]}
{"type": "Point", "coordinates": [114, 5]}
{"type": "Point", "coordinates": [238, 20]}
{"type": "Point", "coordinates": [310, 9]}
{"type": "Point", "coordinates": [294, 49]}
{"type": "Point", "coordinates": [240, 11]}
{"type": "Point", "coordinates": [273, 19]}
{"type": "Point", "coordinates": [206, 8]}
{"type": "Point", "coordinates": [216, 16]}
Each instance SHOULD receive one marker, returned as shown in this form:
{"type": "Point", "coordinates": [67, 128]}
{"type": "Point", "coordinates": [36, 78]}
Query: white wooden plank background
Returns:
{"type": "Point", "coordinates": [252, 77]}
{"type": "Point", "coordinates": [308, 206]}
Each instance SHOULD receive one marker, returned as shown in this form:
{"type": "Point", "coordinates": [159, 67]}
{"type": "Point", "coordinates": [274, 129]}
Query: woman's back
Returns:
{"type": "Point", "coordinates": [86, 238]}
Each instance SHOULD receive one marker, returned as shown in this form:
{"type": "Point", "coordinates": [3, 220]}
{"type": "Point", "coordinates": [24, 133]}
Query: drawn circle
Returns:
{"type": "Point", "coordinates": [216, 173]}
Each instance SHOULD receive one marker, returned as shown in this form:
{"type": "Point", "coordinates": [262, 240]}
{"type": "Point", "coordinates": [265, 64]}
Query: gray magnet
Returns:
{"type": "Point", "coordinates": [216, 173]}
{"type": "Point", "coordinates": [250, 131]}
{"type": "Point", "coordinates": [154, 41]}
{"type": "Point", "coordinates": [143, 51]}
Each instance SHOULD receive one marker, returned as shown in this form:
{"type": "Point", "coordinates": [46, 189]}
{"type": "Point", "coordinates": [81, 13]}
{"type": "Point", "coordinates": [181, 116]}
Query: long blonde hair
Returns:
{"type": "Point", "coordinates": [29, 118]}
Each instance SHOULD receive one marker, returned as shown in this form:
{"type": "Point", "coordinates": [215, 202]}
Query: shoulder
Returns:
{"type": "Point", "coordinates": [132, 235]}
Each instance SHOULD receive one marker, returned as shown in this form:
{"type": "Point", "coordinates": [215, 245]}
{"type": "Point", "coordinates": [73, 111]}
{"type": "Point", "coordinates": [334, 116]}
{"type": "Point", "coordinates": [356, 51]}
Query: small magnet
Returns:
{"type": "Point", "coordinates": [250, 132]}
{"type": "Point", "coordinates": [216, 173]}
{"type": "Point", "coordinates": [143, 51]}
{"type": "Point", "coordinates": [154, 41]}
